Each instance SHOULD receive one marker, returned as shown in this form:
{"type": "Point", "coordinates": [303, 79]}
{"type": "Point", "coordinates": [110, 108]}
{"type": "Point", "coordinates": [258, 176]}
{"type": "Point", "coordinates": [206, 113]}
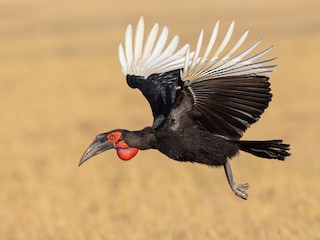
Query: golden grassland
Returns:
{"type": "Point", "coordinates": [61, 84]}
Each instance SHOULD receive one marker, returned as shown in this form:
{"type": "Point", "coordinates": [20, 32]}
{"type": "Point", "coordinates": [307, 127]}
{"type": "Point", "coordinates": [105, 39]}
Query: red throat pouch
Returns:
{"type": "Point", "coordinates": [125, 152]}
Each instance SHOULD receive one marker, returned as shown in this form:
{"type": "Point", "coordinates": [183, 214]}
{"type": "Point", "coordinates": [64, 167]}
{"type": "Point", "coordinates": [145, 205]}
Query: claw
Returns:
{"type": "Point", "coordinates": [244, 186]}
{"type": "Point", "coordinates": [238, 189]}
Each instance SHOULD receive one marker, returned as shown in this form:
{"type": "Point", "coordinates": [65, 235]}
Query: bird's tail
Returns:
{"type": "Point", "coordinates": [272, 149]}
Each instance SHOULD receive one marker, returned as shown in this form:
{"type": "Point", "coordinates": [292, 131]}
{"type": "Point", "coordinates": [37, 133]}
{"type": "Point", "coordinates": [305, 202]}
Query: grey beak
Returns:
{"type": "Point", "coordinates": [98, 146]}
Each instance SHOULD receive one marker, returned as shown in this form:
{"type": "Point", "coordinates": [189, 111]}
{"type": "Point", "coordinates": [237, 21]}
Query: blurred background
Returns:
{"type": "Point", "coordinates": [61, 84]}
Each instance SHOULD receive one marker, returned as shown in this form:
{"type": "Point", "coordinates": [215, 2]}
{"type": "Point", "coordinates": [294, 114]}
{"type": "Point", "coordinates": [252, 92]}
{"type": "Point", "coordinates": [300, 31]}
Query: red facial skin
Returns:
{"type": "Point", "coordinates": [124, 151]}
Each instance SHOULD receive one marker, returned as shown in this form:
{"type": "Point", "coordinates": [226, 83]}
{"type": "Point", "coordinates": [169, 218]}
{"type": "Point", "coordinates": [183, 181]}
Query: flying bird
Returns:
{"type": "Point", "coordinates": [202, 101]}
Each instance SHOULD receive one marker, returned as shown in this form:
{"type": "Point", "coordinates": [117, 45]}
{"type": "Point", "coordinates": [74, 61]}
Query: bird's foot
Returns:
{"type": "Point", "coordinates": [238, 189]}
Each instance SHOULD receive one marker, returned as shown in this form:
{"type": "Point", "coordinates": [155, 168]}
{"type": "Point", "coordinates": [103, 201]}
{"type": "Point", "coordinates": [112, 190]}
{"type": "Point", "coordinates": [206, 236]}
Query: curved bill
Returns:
{"type": "Point", "coordinates": [95, 148]}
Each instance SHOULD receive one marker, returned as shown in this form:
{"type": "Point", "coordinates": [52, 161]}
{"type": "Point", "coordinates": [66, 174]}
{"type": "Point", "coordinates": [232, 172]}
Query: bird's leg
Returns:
{"type": "Point", "coordinates": [238, 189]}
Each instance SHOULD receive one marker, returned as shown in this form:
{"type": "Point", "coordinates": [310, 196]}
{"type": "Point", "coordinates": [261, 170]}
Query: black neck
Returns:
{"type": "Point", "coordinates": [143, 139]}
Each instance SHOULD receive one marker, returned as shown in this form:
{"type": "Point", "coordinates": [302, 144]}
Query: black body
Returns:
{"type": "Point", "coordinates": [203, 121]}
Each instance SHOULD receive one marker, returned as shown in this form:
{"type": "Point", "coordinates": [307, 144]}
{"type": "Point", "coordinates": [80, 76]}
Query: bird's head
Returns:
{"type": "Point", "coordinates": [114, 139]}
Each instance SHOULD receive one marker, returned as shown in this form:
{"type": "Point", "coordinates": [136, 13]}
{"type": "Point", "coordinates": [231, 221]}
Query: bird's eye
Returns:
{"type": "Point", "coordinates": [114, 137]}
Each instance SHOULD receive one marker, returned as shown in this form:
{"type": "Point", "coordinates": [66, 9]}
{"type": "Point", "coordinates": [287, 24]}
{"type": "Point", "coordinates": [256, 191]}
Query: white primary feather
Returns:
{"type": "Point", "coordinates": [150, 40]}
{"type": "Point", "coordinates": [211, 42]}
{"type": "Point", "coordinates": [138, 41]}
{"type": "Point", "coordinates": [143, 60]}
{"type": "Point", "coordinates": [200, 68]}
{"type": "Point", "coordinates": [128, 44]}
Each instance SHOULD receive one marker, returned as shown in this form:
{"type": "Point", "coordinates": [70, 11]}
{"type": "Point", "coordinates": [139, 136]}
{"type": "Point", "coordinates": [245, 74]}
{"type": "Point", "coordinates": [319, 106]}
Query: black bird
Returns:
{"type": "Point", "coordinates": [201, 105]}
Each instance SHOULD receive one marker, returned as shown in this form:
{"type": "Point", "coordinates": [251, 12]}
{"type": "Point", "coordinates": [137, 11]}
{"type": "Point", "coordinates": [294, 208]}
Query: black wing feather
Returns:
{"type": "Point", "coordinates": [228, 106]}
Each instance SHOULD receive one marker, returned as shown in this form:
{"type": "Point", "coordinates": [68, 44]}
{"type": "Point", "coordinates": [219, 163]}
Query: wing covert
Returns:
{"type": "Point", "coordinates": [160, 91]}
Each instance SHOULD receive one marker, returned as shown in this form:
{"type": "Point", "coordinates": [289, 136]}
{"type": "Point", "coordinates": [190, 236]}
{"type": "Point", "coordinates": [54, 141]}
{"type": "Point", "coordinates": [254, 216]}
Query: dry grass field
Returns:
{"type": "Point", "coordinates": [61, 84]}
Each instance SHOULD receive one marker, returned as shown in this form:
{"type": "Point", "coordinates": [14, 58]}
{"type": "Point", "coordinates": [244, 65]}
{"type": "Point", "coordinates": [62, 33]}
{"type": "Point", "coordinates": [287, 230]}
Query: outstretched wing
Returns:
{"type": "Point", "coordinates": [152, 68]}
{"type": "Point", "coordinates": [230, 92]}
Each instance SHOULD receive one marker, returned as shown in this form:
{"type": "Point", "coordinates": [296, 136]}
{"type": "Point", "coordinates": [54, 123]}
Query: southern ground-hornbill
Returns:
{"type": "Point", "coordinates": [201, 105]}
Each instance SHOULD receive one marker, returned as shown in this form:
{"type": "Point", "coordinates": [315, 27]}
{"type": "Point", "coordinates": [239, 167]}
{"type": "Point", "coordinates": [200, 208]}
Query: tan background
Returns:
{"type": "Point", "coordinates": [61, 84]}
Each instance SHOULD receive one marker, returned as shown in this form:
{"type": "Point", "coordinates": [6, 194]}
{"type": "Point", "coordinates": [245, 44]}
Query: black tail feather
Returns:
{"type": "Point", "coordinates": [272, 149]}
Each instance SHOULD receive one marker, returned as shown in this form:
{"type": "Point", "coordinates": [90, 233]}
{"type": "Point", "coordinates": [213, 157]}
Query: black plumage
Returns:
{"type": "Point", "coordinates": [229, 105]}
{"type": "Point", "coordinates": [201, 107]}
{"type": "Point", "coordinates": [159, 90]}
